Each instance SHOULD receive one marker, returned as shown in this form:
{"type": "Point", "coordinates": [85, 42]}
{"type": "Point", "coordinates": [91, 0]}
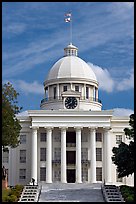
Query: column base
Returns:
{"type": "Point", "coordinates": [63, 181]}
{"type": "Point", "coordinates": [78, 182]}
{"type": "Point", "coordinates": [93, 182]}
{"type": "Point", "coordinates": [48, 181]}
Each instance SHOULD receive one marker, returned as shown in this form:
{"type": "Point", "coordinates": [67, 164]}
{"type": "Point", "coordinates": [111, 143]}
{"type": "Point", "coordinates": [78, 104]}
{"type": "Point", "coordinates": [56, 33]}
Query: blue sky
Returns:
{"type": "Point", "coordinates": [34, 35]}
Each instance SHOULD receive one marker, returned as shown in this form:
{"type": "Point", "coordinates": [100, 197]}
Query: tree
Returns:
{"type": "Point", "coordinates": [10, 124]}
{"type": "Point", "coordinates": [124, 154]}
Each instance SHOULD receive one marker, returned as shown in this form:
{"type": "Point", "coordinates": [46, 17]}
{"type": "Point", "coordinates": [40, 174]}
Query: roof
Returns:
{"type": "Point", "coordinates": [71, 67]}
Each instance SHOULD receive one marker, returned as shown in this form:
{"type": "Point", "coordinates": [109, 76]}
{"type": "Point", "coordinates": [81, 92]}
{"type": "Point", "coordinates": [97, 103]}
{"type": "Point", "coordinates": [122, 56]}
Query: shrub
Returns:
{"type": "Point", "coordinates": [19, 187]}
{"type": "Point", "coordinates": [11, 198]}
{"type": "Point", "coordinates": [127, 193]}
{"type": "Point", "coordinates": [12, 194]}
{"type": "Point", "coordinates": [130, 198]}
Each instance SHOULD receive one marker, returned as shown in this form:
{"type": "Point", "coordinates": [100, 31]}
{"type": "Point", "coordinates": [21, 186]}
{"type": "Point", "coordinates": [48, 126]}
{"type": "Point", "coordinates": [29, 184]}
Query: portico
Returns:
{"type": "Point", "coordinates": [71, 139]}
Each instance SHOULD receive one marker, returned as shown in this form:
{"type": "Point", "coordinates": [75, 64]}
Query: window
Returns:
{"type": "Point", "coordinates": [42, 154]}
{"type": "Point", "coordinates": [55, 92]}
{"type": "Point", "coordinates": [84, 154]}
{"type": "Point", "coordinates": [22, 156]}
{"type": "Point", "coordinates": [118, 139]}
{"type": "Point", "coordinates": [22, 139]}
{"type": "Point", "coordinates": [22, 173]}
{"type": "Point", "coordinates": [46, 92]}
{"type": "Point", "coordinates": [84, 137]}
{"type": "Point", "coordinates": [117, 177]}
{"type": "Point", "coordinates": [98, 137]}
{"type": "Point", "coordinates": [43, 137]}
{"type": "Point", "coordinates": [5, 156]}
{"type": "Point", "coordinates": [77, 88]}
{"type": "Point", "coordinates": [57, 137]}
{"type": "Point", "coordinates": [64, 88]}
{"type": "Point", "coordinates": [99, 173]}
{"type": "Point", "coordinates": [98, 154]}
{"type": "Point", "coordinates": [57, 175]}
{"type": "Point", "coordinates": [87, 92]}
{"type": "Point", "coordinates": [57, 154]}
{"type": "Point", "coordinates": [42, 173]}
{"type": "Point", "coordinates": [84, 174]}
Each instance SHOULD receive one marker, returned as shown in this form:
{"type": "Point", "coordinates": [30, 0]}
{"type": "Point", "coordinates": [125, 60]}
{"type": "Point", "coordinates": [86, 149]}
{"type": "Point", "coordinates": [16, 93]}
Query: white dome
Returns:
{"type": "Point", "coordinates": [71, 67]}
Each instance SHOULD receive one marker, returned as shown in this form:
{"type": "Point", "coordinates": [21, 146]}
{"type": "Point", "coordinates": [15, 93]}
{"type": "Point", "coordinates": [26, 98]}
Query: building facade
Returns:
{"type": "Point", "coordinates": [70, 139]}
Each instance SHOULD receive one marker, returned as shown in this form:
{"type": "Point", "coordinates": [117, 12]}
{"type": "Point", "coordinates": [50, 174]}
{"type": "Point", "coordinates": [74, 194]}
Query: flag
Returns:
{"type": "Point", "coordinates": [67, 17]}
{"type": "Point", "coordinates": [67, 20]}
{"type": "Point", "coordinates": [67, 14]}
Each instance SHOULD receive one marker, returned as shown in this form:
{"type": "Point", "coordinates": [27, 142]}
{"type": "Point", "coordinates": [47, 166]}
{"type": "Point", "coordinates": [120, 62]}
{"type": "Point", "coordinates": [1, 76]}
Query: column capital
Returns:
{"type": "Point", "coordinates": [92, 128]}
{"type": "Point", "coordinates": [106, 129]}
{"type": "Point", "coordinates": [49, 128]}
{"type": "Point", "coordinates": [78, 128]}
{"type": "Point", "coordinates": [63, 128]}
{"type": "Point", "coordinates": [34, 127]}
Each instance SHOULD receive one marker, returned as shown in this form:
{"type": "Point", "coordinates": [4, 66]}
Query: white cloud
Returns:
{"type": "Point", "coordinates": [26, 87]}
{"type": "Point", "coordinates": [126, 83]}
{"type": "Point", "coordinates": [122, 112]}
{"type": "Point", "coordinates": [106, 82]}
{"type": "Point", "coordinates": [16, 28]}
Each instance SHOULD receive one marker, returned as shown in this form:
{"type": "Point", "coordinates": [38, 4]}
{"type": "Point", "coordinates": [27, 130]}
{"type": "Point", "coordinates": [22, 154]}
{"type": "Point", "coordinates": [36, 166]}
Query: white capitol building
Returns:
{"type": "Point", "coordinates": [70, 139]}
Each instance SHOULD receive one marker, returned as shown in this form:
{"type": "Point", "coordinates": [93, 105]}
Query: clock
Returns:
{"type": "Point", "coordinates": [70, 102]}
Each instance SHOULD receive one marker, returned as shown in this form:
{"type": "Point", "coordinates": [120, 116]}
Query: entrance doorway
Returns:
{"type": "Point", "coordinates": [71, 177]}
{"type": "Point", "coordinates": [71, 137]}
{"type": "Point", "coordinates": [71, 157]}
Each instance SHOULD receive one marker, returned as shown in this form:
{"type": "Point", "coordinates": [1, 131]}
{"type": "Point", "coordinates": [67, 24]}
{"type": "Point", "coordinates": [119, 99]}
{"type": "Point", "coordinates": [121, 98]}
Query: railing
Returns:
{"type": "Point", "coordinates": [85, 161]}
{"type": "Point", "coordinates": [58, 161]}
{"type": "Point", "coordinates": [71, 144]}
{"type": "Point", "coordinates": [59, 98]}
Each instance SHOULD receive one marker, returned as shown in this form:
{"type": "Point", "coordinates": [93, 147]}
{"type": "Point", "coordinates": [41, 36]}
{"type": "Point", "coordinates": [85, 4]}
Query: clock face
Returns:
{"type": "Point", "coordinates": [71, 102]}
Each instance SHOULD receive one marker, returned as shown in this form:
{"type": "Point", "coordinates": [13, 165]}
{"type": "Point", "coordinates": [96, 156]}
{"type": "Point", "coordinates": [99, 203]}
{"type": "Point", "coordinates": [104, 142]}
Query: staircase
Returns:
{"type": "Point", "coordinates": [71, 192]}
{"type": "Point", "coordinates": [111, 193]}
{"type": "Point", "coordinates": [30, 193]}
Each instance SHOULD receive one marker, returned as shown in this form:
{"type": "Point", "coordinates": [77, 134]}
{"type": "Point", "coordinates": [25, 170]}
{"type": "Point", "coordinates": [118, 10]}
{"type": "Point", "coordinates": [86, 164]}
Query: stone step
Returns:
{"type": "Point", "coordinates": [30, 193]}
{"type": "Point", "coordinates": [71, 193]}
{"type": "Point", "coordinates": [112, 193]}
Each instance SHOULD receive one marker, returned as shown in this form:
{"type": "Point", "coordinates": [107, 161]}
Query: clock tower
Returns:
{"type": "Point", "coordinates": [71, 84]}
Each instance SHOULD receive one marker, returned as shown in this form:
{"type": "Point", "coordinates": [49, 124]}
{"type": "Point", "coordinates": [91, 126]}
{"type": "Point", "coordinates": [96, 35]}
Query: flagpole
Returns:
{"type": "Point", "coordinates": [68, 19]}
{"type": "Point", "coordinates": [71, 30]}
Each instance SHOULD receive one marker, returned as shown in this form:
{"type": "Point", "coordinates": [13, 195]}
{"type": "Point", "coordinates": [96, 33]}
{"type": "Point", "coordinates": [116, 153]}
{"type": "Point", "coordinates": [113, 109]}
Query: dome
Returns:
{"type": "Point", "coordinates": [71, 67]}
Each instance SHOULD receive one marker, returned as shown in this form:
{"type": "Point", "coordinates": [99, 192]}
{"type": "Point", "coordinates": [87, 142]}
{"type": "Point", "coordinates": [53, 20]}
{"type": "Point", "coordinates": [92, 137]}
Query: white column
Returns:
{"type": "Point", "coordinates": [107, 154]}
{"type": "Point", "coordinates": [71, 86]}
{"type": "Point", "coordinates": [63, 155]}
{"type": "Point", "coordinates": [49, 156]}
{"type": "Point", "coordinates": [97, 93]}
{"type": "Point", "coordinates": [94, 93]}
{"type": "Point", "coordinates": [84, 91]}
{"type": "Point", "coordinates": [89, 93]}
{"type": "Point", "coordinates": [58, 91]}
{"type": "Point", "coordinates": [93, 155]}
{"type": "Point", "coordinates": [104, 163]}
{"type": "Point", "coordinates": [12, 177]}
{"type": "Point", "coordinates": [34, 154]}
{"type": "Point", "coordinates": [78, 156]}
{"type": "Point", "coordinates": [48, 93]}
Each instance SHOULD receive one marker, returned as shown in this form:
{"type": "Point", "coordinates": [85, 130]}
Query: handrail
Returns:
{"type": "Point", "coordinates": [59, 98]}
